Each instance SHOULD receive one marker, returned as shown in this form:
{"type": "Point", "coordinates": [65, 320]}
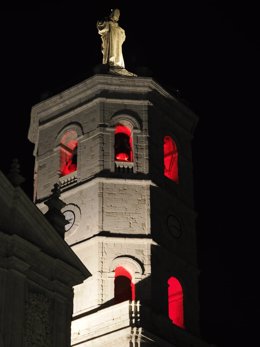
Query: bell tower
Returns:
{"type": "Point", "coordinates": [120, 149]}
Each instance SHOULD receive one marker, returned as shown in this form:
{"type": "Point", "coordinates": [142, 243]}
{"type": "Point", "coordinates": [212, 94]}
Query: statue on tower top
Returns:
{"type": "Point", "coordinates": [113, 37]}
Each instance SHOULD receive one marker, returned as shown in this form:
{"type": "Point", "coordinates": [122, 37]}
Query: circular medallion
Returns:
{"type": "Point", "coordinates": [70, 218]}
{"type": "Point", "coordinates": [72, 215]}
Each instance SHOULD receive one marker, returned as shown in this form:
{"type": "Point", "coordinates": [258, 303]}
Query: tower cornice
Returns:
{"type": "Point", "coordinates": [107, 87]}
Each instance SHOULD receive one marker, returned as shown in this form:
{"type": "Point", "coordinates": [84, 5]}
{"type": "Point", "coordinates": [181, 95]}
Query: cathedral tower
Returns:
{"type": "Point", "coordinates": [120, 148]}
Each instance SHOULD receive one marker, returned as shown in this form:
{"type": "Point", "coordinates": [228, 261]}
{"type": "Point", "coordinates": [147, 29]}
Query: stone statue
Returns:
{"type": "Point", "coordinates": [113, 36]}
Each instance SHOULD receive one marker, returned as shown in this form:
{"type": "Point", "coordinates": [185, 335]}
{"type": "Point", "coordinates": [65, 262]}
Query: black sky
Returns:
{"type": "Point", "coordinates": [208, 51]}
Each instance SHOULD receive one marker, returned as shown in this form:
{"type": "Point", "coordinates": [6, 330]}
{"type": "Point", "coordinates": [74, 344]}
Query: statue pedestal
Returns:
{"type": "Point", "coordinates": [115, 70]}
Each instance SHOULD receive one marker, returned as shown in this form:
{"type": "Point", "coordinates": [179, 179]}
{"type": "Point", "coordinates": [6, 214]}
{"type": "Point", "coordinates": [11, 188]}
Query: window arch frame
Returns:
{"type": "Point", "coordinates": [131, 264]}
{"type": "Point", "coordinates": [77, 129]}
{"type": "Point", "coordinates": [127, 131]}
{"type": "Point", "coordinates": [129, 120]}
{"type": "Point", "coordinates": [123, 290]}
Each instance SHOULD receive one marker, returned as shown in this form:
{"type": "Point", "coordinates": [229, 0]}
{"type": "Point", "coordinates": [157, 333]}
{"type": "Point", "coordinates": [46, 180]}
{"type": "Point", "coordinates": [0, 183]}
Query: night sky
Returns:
{"type": "Point", "coordinates": [206, 52]}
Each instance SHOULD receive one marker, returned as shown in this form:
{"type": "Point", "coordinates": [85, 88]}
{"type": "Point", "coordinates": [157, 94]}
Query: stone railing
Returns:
{"type": "Point", "coordinates": [134, 311]}
{"type": "Point", "coordinates": [124, 166]}
{"type": "Point", "coordinates": [68, 179]}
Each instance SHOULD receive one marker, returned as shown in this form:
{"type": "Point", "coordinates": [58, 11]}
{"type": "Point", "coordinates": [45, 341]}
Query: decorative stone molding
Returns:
{"type": "Point", "coordinates": [72, 126]}
{"type": "Point", "coordinates": [124, 166]}
{"type": "Point", "coordinates": [132, 265]}
{"type": "Point", "coordinates": [134, 311]}
{"type": "Point", "coordinates": [68, 179]}
{"type": "Point", "coordinates": [126, 120]}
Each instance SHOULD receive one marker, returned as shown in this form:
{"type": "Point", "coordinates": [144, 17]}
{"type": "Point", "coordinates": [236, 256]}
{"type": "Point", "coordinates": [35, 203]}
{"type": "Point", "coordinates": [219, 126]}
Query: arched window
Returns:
{"type": "Point", "coordinates": [170, 159]}
{"type": "Point", "coordinates": [175, 302]}
{"type": "Point", "coordinates": [68, 152]}
{"type": "Point", "coordinates": [124, 288]}
{"type": "Point", "coordinates": [123, 143]}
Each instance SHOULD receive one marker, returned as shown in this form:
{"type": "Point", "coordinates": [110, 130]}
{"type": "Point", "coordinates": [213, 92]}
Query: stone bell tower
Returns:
{"type": "Point", "coordinates": [120, 148]}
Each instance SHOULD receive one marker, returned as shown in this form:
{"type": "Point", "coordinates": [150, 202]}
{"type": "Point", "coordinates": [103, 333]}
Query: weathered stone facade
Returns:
{"type": "Point", "coordinates": [37, 273]}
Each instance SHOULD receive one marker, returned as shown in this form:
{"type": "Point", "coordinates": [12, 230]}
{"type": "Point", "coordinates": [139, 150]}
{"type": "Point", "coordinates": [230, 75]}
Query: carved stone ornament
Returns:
{"type": "Point", "coordinates": [37, 321]}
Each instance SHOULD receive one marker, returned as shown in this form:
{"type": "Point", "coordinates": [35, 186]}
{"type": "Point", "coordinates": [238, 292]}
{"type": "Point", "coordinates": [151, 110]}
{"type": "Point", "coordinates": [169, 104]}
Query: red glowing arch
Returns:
{"type": "Point", "coordinates": [175, 302]}
{"type": "Point", "coordinates": [124, 287]}
{"type": "Point", "coordinates": [170, 159]}
{"type": "Point", "coordinates": [123, 143]}
{"type": "Point", "coordinates": [68, 152]}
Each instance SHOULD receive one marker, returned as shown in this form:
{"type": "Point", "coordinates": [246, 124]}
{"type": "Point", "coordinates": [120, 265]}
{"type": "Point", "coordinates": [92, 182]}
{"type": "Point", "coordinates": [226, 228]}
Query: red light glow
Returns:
{"type": "Point", "coordinates": [68, 153]}
{"type": "Point", "coordinates": [175, 302]}
{"type": "Point", "coordinates": [123, 143]}
{"type": "Point", "coordinates": [122, 157]}
{"type": "Point", "coordinates": [170, 159]}
{"type": "Point", "coordinates": [124, 287]}
{"type": "Point", "coordinates": [122, 129]}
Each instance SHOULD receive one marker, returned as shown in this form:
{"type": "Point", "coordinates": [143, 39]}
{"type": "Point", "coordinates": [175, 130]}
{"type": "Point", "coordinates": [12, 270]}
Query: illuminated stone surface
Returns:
{"type": "Point", "coordinates": [122, 208]}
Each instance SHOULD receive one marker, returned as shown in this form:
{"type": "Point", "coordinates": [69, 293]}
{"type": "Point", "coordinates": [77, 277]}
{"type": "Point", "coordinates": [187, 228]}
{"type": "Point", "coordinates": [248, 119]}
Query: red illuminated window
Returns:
{"type": "Point", "coordinates": [124, 287]}
{"type": "Point", "coordinates": [68, 152]}
{"type": "Point", "coordinates": [170, 159]}
{"type": "Point", "coordinates": [175, 302]}
{"type": "Point", "coordinates": [123, 144]}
